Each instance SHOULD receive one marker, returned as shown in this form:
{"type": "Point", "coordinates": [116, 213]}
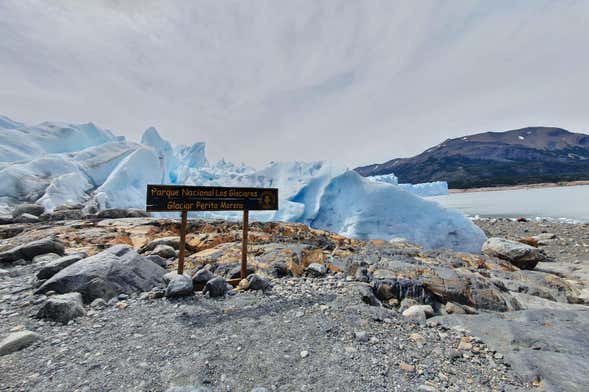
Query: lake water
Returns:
{"type": "Point", "coordinates": [571, 202]}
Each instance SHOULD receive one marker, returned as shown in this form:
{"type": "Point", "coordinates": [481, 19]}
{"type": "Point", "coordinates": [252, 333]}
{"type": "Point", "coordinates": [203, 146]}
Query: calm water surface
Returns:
{"type": "Point", "coordinates": [571, 202]}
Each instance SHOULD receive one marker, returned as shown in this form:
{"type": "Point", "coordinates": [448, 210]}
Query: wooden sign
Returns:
{"type": "Point", "coordinates": [210, 198]}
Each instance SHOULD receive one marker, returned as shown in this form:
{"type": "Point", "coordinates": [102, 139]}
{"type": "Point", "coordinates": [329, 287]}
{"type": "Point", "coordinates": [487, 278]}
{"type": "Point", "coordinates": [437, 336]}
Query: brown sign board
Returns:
{"type": "Point", "coordinates": [210, 198]}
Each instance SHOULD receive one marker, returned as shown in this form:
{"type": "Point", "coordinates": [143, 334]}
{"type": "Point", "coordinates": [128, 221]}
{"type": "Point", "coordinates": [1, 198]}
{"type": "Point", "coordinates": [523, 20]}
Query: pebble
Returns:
{"type": "Point", "coordinates": [304, 354]}
{"type": "Point", "coordinates": [361, 336]}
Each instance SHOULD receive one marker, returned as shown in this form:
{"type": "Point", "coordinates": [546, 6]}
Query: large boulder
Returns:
{"type": "Point", "coordinates": [54, 266]}
{"type": "Point", "coordinates": [62, 308]}
{"type": "Point", "coordinates": [116, 270]}
{"type": "Point", "coordinates": [31, 209]}
{"type": "Point", "coordinates": [521, 255]}
{"type": "Point", "coordinates": [32, 249]}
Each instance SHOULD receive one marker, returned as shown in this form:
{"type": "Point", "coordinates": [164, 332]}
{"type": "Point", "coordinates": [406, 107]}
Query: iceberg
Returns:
{"type": "Point", "coordinates": [59, 163]}
{"type": "Point", "coordinates": [359, 208]}
{"type": "Point", "coordinates": [436, 188]}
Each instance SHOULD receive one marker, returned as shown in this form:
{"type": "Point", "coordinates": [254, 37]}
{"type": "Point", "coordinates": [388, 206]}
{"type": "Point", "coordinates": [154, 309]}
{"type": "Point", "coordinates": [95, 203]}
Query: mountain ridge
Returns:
{"type": "Point", "coordinates": [522, 156]}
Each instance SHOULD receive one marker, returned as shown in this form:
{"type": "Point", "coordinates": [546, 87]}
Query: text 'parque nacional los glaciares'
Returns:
{"type": "Point", "coordinates": [205, 198]}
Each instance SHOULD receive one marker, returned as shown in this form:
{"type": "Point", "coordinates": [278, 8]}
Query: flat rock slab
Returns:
{"type": "Point", "coordinates": [17, 341]}
{"type": "Point", "coordinates": [548, 345]}
{"type": "Point", "coordinates": [32, 249]}
{"type": "Point", "coordinates": [116, 270]}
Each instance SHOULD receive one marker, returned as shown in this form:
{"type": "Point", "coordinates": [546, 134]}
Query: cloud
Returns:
{"type": "Point", "coordinates": [357, 82]}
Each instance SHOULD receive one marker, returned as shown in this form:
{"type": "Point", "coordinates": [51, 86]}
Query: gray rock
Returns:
{"type": "Point", "coordinates": [45, 258]}
{"type": "Point", "coordinates": [158, 260]}
{"type": "Point", "coordinates": [361, 275]}
{"type": "Point", "coordinates": [366, 294]}
{"type": "Point", "coordinates": [521, 255]}
{"type": "Point", "coordinates": [17, 341]}
{"type": "Point", "coordinates": [235, 272]}
{"type": "Point", "coordinates": [260, 389]}
{"type": "Point", "coordinates": [117, 213]}
{"type": "Point", "coordinates": [6, 220]}
{"type": "Point", "coordinates": [201, 277]}
{"type": "Point", "coordinates": [116, 270]}
{"type": "Point", "coordinates": [56, 265]}
{"type": "Point", "coordinates": [168, 276]}
{"type": "Point", "coordinates": [65, 214]}
{"type": "Point", "coordinates": [257, 282]}
{"type": "Point", "coordinates": [279, 269]}
{"type": "Point", "coordinates": [28, 218]}
{"type": "Point", "coordinates": [216, 287]}
{"type": "Point", "coordinates": [179, 286]}
{"type": "Point", "coordinates": [406, 303]}
{"type": "Point", "coordinates": [174, 242]}
{"type": "Point", "coordinates": [31, 209]}
{"type": "Point", "coordinates": [188, 389]}
{"type": "Point", "coordinates": [32, 249]}
{"type": "Point", "coordinates": [62, 308]}
{"type": "Point", "coordinates": [418, 313]}
{"type": "Point", "coordinates": [4, 272]}
{"type": "Point", "coordinates": [317, 270]}
{"type": "Point", "coordinates": [361, 336]}
{"type": "Point", "coordinates": [98, 303]}
{"type": "Point", "coordinates": [164, 251]}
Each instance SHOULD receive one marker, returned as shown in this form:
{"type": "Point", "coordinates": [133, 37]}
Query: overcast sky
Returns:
{"type": "Point", "coordinates": [354, 81]}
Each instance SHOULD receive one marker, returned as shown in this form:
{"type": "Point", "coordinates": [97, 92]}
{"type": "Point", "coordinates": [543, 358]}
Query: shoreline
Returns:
{"type": "Point", "coordinates": [523, 186]}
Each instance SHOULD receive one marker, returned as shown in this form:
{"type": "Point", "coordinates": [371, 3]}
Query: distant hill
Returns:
{"type": "Point", "coordinates": [522, 156]}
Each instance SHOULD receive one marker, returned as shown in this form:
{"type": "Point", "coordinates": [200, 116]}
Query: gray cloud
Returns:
{"type": "Point", "coordinates": [357, 82]}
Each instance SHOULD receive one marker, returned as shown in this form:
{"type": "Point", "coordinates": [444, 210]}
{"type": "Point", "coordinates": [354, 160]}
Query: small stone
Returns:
{"type": "Point", "coordinates": [417, 338]}
{"type": "Point", "coordinates": [121, 305]}
{"type": "Point", "coordinates": [452, 308]}
{"type": "Point", "coordinates": [316, 270]}
{"type": "Point", "coordinates": [407, 367]}
{"type": "Point", "coordinates": [123, 296]}
{"type": "Point", "coordinates": [361, 336]}
{"type": "Point", "coordinates": [498, 356]}
{"type": "Point", "coordinates": [98, 303]}
{"type": "Point", "coordinates": [426, 388]}
{"type": "Point", "coordinates": [418, 313]}
{"type": "Point", "coordinates": [304, 354]}
{"type": "Point", "coordinates": [17, 341]}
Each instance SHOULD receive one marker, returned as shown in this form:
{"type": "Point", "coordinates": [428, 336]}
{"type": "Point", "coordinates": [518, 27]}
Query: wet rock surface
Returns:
{"type": "Point", "coordinates": [280, 325]}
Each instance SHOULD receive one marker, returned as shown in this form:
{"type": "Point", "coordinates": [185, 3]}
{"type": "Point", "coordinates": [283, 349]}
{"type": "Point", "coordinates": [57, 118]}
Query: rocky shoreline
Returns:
{"type": "Point", "coordinates": [319, 311]}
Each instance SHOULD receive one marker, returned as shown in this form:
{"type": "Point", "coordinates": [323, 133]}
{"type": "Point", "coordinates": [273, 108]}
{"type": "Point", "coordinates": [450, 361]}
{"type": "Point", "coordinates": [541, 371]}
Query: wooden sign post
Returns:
{"type": "Point", "coordinates": [210, 198]}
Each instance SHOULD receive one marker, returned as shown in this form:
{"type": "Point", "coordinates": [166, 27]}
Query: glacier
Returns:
{"type": "Point", "coordinates": [57, 164]}
{"type": "Point", "coordinates": [436, 188]}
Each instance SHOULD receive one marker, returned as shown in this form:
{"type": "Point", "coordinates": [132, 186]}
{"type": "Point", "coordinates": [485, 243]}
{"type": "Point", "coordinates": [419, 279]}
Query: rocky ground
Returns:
{"type": "Point", "coordinates": [319, 313]}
